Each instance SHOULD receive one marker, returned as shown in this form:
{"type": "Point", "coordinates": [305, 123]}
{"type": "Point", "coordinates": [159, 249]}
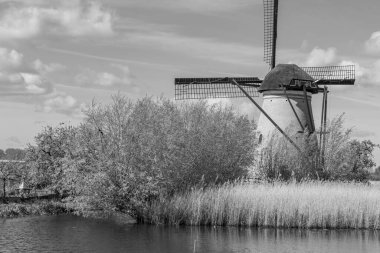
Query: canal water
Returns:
{"type": "Point", "coordinates": [76, 234]}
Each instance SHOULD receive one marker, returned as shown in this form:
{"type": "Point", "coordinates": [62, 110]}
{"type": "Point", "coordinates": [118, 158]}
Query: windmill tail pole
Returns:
{"type": "Point", "coordinates": [265, 114]}
{"type": "Point", "coordinates": [323, 144]}
{"type": "Point", "coordinates": [291, 105]}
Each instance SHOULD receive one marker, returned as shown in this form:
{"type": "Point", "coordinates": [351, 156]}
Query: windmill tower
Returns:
{"type": "Point", "coordinates": [287, 100]}
{"type": "Point", "coordinates": [287, 89]}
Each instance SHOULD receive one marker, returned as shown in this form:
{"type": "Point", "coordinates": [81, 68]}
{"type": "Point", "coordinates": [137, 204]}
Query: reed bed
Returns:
{"type": "Point", "coordinates": [282, 205]}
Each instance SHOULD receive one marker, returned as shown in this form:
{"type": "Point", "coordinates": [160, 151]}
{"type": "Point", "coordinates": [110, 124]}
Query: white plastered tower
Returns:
{"type": "Point", "coordinates": [286, 101]}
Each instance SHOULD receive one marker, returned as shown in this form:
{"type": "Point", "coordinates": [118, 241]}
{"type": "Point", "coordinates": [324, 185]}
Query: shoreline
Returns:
{"type": "Point", "coordinates": [310, 205]}
{"type": "Point", "coordinates": [34, 208]}
{"type": "Point", "coordinates": [306, 205]}
{"type": "Point", "coordinates": [50, 208]}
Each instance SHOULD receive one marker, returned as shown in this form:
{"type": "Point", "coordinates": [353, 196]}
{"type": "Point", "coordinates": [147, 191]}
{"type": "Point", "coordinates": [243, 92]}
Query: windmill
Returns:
{"type": "Point", "coordinates": [286, 90]}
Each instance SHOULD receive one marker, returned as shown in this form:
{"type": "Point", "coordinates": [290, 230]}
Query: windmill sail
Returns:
{"type": "Point", "coordinates": [332, 75]}
{"type": "Point", "coordinates": [215, 87]}
{"type": "Point", "coordinates": [270, 31]}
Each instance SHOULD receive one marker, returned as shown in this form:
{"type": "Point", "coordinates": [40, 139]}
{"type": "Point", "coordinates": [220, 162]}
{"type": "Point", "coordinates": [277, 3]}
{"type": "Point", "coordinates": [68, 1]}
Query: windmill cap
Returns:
{"type": "Point", "coordinates": [282, 75]}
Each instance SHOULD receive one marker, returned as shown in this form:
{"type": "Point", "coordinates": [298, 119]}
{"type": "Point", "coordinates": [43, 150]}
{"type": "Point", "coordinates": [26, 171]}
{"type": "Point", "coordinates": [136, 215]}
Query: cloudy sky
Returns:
{"type": "Point", "coordinates": [57, 56]}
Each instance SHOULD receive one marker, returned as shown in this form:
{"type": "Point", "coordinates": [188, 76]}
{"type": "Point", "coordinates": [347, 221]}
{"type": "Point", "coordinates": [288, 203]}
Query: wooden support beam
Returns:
{"type": "Point", "coordinates": [266, 115]}
{"type": "Point", "coordinates": [294, 111]}
{"type": "Point", "coordinates": [311, 127]}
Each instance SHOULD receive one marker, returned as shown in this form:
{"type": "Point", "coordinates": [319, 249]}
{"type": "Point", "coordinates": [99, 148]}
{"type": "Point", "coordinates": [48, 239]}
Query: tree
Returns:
{"type": "Point", "coordinates": [138, 151]}
{"type": "Point", "coordinates": [15, 154]}
{"type": "Point", "coordinates": [9, 170]}
{"type": "Point", "coordinates": [376, 174]}
{"type": "Point", "coordinates": [280, 160]}
{"type": "Point", "coordinates": [344, 158]}
{"type": "Point", "coordinates": [127, 153]}
{"type": "Point", "coordinates": [359, 160]}
{"type": "Point", "coordinates": [2, 154]}
{"type": "Point", "coordinates": [45, 159]}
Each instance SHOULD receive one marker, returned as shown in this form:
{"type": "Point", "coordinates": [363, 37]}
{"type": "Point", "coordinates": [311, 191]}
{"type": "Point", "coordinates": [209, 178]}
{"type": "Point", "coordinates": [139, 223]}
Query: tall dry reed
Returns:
{"type": "Point", "coordinates": [288, 205]}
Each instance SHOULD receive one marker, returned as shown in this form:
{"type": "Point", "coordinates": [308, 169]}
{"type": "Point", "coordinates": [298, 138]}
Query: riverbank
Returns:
{"type": "Point", "coordinates": [55, 207]}
{"type": "Point", "coordinates": [281, 205]}
{"type": "Point", "coordinates": [39, 207]}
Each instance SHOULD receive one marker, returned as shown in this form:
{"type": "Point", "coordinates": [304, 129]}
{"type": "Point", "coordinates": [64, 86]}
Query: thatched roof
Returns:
{"type": "Point", "coordinates": [283, 74]}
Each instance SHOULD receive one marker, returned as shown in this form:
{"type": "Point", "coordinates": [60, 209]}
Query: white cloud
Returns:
{"type": "Point", "coordinates": [360, 72]}
{"type": "Point", "coordinates": [17, 78]}
{"type": "Point", "coordinates": [41, 67]}
{"type": "Point", "coordinates": [91, 78]}
{"type": "Point", "coordinates": [34, 83]}
{"type": "Point", "coordinates": [106, 79]}
{"type": "Point", "coordinates": [72, 18]}
{"type": "Point", "coordinates": [200, 6]}
{"type": "Point", "coordinates": [10, 58]}
{"type": "Point", "coordinates": [62, 103]}
{"type": "Point", "coordinates": [372, 45]}
{"type": "Point", "coordinates": [197, 47]}
{"type": "Point", "coordinates": [375, 73]}
{"type": "Point", "coordinates": [25, 82]}
{"type": "Point", "coordinates": [321, 57]}
{"type": "Point", "coordinates": [365, 76]}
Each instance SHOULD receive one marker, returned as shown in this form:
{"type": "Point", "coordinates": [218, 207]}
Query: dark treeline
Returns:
{"type": "Point", "coordinates": [376, 174]}
{"type": "Point", "coordinates": [126, 154]}
{"type": "Point", "coordinates": [12, 154]}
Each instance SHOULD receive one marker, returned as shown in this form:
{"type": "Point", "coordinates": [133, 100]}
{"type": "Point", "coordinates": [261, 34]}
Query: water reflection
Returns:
{"type": "Point", "coordinates": [76, 234]}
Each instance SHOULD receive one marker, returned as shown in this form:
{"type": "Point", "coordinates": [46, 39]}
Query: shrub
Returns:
{"type": "Point", "coordinates": [127, 153]}
{"type": "Point", "coordinates": [280, 160]}
{"type": "Point", "coordinates": [344, 159]}
{"type": "Point", "coordinates": [376, 174]}
{"type": "Point", "coordinates": [12, 210]}
{"type": "Point", "coordinates": [155, 147]}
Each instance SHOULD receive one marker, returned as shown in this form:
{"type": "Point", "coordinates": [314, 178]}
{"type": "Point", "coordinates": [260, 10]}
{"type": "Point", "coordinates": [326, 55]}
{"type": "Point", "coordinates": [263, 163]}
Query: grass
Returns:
{"type": "Point", "coordinates": [44, 207]}
{"type": "Point", "coordinates": [282, 205]}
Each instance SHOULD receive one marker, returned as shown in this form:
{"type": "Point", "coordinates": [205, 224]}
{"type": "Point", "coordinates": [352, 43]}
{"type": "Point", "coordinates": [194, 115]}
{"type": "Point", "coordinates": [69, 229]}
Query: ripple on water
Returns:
{"type": "Point", "coordinates": [67, 233]}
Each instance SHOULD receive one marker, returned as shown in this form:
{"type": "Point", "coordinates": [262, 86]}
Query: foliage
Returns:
{"type": "Point", "coordinates": [43, 207]}
{"type": "Point", "coordinates": [156, 147]}
{"type": "Point", "coordinates": [280, 160]}
{"type": "Point", "coordinates": [12, 154]}
{"type": "Point", "coordinates": [308, 204]}
{"type": "Point", "coordinates": [45, 160]}
{"type": "Point", "coordinates": [10, 170]}
{"type": "Point", "coordinates": [343, 158]}
{"type": "Point", "coordinates": [127, 153]}
{"type": "Point", "coordinates": [376, 174]}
